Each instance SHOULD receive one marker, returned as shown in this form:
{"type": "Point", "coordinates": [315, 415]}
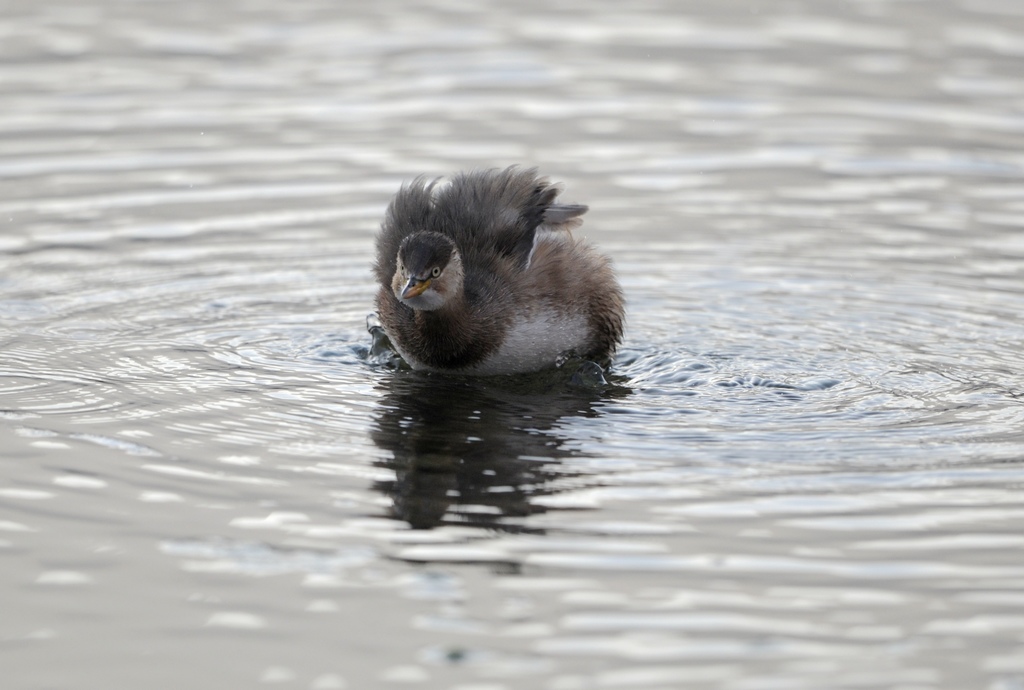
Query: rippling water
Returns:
{"type": "Point", "coordinates": [803, 472]}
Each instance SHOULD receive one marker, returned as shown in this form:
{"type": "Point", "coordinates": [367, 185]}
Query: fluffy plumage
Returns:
{"type": "Point", "coordinates": [480, 274]}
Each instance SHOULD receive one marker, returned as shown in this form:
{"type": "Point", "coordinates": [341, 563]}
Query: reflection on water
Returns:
{"type": "Point", "coordinates": [477, 452]}
{"type": "Point", "coordinates": [803, 472]}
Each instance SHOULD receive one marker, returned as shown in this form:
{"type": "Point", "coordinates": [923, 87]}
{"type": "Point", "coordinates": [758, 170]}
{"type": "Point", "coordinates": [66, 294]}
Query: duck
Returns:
{"type": "Point", "coordinates": [480, 274]}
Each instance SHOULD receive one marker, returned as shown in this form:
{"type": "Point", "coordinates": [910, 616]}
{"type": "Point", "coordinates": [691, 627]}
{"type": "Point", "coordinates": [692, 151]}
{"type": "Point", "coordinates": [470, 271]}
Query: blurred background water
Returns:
{"type": "Point", "coordinates": [805, 471]}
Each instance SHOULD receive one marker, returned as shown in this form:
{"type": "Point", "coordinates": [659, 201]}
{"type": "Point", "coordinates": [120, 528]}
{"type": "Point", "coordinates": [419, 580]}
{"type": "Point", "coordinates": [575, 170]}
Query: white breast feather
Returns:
{"type": "Point", "coordinates": [535, 343]}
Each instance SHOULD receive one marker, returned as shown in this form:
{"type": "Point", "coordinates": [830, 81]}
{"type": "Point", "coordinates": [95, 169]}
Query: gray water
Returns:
{"type": "Point", "coordinates": [804, 471]}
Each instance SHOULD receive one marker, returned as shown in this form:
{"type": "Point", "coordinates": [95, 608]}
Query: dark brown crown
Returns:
{"type": "Point", "coordinates": [423, 251]}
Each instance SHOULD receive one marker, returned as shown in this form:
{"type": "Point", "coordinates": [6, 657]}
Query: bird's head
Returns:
{"type": "Point", "coordinates": [428, 271]}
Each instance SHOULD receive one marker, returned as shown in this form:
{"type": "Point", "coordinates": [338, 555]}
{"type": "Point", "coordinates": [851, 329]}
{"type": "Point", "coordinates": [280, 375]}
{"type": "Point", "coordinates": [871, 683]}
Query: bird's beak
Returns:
{"type": "Point", "coordinates": [415, 287]}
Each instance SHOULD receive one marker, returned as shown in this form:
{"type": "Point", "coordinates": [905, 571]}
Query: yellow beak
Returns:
{"type": "Point", "coordinates": [415, 288]}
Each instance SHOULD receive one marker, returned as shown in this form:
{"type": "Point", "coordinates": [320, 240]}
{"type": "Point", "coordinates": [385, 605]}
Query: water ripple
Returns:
{"type": "Point", "coordinates": [806, 454]}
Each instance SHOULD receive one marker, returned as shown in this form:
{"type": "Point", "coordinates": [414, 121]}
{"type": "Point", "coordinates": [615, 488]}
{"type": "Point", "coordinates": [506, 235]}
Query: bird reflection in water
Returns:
{"type": "Point", "coordinates": [476, 451]}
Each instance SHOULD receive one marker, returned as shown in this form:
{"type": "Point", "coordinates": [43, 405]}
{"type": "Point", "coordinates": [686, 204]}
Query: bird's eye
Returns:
{"type": "Point", "coordinates": [435, 271]}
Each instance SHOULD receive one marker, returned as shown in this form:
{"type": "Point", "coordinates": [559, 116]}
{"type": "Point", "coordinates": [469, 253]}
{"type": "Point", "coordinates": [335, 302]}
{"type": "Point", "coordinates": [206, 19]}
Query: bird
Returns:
{"type": "Point", "coordinates": [480, 274]}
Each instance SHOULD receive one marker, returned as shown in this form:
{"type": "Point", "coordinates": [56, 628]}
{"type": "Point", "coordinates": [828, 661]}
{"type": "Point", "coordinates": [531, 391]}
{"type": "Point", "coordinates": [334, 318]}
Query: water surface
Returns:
{"type": "Point", "coordinates": [804, 471]}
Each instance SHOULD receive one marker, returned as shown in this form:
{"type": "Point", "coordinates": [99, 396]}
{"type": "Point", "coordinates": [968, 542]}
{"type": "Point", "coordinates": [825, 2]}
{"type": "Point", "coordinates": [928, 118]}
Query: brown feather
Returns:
{"type": "Point", "coordinates": [501, 273]}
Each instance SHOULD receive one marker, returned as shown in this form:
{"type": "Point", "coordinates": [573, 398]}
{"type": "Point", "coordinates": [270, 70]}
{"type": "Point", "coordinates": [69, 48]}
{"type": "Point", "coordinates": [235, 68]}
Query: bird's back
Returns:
{"type": "Point", "coordinates": [492, 216]}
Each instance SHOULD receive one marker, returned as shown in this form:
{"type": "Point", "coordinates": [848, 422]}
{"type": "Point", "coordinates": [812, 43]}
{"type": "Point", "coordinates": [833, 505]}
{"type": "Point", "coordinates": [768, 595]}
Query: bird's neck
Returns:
{"type": "Point", "coordinates": [451, 336]}
{"type": "Point", "coordinates": [454, 311]}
